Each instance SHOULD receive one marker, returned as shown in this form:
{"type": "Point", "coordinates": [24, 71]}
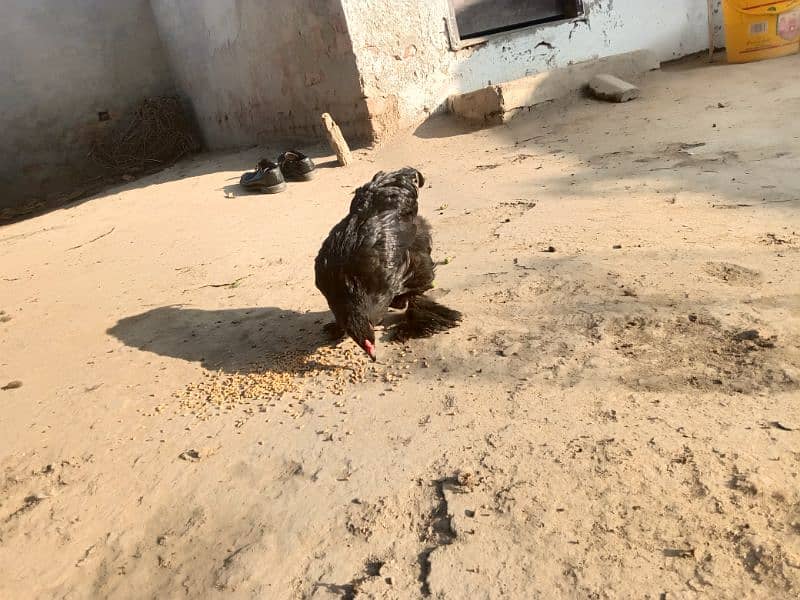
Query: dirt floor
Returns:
{"type": "Point", "coordinates": [618, 417]}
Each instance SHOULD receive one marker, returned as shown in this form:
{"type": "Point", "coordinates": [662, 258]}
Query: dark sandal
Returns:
{"type": "Point", "coordinates": [267, 178]}
{"type": "Point", "coordinates": [296, 166]}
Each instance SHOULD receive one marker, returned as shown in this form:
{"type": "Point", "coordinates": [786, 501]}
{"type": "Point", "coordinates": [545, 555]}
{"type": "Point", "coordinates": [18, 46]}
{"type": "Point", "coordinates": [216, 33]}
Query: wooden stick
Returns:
{"type": "Point", "coordinates": [336, 140]}
{"type": "Point", "coordinates": [710, 30]}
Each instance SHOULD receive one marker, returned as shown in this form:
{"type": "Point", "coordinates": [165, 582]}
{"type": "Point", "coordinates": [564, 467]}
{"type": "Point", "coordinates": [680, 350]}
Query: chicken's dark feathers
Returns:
{"type": "Point", "coordinates": [397, 190]}
{"type": "Point", "coordinates": [425, 317]}
{"type": "Point", "coordinates": [379, 256]}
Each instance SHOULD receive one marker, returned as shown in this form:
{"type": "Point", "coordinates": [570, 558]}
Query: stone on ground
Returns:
{"type": "Point", "coordinates": [613, 89]}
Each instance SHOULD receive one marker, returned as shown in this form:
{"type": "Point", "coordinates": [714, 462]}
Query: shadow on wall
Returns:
{"type": "Point", "coordinates": [71, 81]}
{"type": "Point", "coordinates": [252, 74]}
{"type": "Point", "coordinates": [254, 71]}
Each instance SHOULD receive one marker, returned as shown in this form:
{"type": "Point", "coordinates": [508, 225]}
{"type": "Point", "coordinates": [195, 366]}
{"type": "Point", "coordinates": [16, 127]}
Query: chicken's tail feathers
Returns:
{"type": "Point", "coordinates": [423, 318]}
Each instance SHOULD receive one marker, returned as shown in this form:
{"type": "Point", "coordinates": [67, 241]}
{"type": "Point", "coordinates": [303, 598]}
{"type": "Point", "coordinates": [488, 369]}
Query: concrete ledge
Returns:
{"type": "Point", "coordinates": [499, 103]}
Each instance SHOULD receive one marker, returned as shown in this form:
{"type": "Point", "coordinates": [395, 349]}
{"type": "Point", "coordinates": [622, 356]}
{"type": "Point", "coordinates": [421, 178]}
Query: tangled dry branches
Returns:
{"type": "Point", "coordinates": [158, 133]}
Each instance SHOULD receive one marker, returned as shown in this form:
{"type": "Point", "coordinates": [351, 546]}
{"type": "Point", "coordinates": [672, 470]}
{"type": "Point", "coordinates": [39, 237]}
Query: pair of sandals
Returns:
{"type": "Point", "coordinates": [271, 177]}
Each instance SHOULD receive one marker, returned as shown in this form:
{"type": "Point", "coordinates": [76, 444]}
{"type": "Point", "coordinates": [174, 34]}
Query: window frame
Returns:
{"type": "Point", "coordinates": [575, 12]}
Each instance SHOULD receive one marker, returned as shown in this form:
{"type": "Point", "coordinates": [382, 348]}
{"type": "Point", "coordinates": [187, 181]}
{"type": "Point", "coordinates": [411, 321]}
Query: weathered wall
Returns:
{"type": "Point", "coordinates": [409, 70]}
{"type": "Point", "coordinates": [256, 70]}
{"type": "Point", "coordinates": [61, 62]}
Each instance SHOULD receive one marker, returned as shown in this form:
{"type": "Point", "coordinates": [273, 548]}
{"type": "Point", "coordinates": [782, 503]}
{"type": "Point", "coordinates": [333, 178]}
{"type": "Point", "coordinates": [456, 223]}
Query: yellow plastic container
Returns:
{"type": "Point", "coordinates": [758, 29]}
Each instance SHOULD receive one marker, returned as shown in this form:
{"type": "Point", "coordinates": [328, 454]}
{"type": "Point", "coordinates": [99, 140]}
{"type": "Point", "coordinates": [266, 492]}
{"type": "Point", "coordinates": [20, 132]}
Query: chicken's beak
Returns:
{"type": "Point", "coordinates": [370, 348]}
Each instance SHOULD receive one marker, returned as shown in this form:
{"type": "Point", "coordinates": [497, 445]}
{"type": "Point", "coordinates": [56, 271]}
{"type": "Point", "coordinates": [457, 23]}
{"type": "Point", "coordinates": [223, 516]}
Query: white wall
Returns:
{"type": "Point", "coordinates": [409, 70]}
{"type": "Point", "coordinates": [61, 62]}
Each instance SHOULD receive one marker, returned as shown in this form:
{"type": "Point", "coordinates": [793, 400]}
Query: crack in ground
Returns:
{"type": "Point", "coordinates": [438, 533]}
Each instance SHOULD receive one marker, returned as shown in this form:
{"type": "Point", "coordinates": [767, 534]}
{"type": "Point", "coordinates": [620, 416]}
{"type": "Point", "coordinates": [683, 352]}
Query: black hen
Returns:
{"type": "Point", "coordinates": [379, 256]}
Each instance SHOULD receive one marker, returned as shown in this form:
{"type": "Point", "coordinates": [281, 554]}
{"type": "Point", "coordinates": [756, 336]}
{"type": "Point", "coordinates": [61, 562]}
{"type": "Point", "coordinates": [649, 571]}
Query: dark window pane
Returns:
{"type": "Point", "coordinates": [476, 17]}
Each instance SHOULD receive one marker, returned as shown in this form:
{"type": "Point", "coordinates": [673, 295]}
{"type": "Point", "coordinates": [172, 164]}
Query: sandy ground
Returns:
{"type": "Point", "coordinates": [617, 418]}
